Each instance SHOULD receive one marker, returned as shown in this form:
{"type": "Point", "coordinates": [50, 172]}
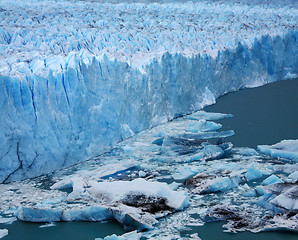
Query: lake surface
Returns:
{"type": "Point", "coordinates": [263, 115]}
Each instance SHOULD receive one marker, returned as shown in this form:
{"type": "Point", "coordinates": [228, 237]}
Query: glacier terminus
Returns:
{"type": "Point", "coordinates": [79, 76]}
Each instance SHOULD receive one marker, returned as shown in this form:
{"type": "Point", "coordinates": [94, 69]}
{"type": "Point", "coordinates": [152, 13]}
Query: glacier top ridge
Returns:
{"type": "Point", "coordinates": [41, 36]}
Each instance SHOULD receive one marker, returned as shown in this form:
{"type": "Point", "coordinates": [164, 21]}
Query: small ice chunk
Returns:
{"type": "Point", "coordinates": [9, 220]}
{"type": "Point", "coordinates": [207, 135]}
{"type": "Point", "coordinates": [185, 172]}
{"type": "Point", "coordinates": [47, 225]}
{"type": "Point", "coordinates": [253, 173]}
{"type": "Point", "coordinates": [246, 151]}
{"type": "Point", "coordinates": [195, 237]}
{"type": "Point", "coordinates": [142, 174]}
{"type": "Point", "coordinates": [293, 177]}
{"type": "Point", "coordinates": [134, 235]}
{"type": "Point", "coordinates": [208, 116]}
{"type": "Point", "coordinates": [222, 184]}
{"type": "Point", "coordinates": [272, 180]}
{"type": "Point", "coordinates": [250, 193]}
{"type": "Point", "coordinates": [203, 126]}
{"type": "Point", "coordinates": [3, 233]}
{"type": "Point", "coordinates": [207, 153]}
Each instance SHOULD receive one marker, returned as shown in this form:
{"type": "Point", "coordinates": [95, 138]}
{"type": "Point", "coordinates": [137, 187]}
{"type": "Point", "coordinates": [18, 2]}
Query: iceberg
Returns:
{"type": "Point", "coordinates": [287, 149]}
{"type": "Point", "coordinates": [29, 214]}
{"type": "Point", "coordinates": [135, 204]}
{"type": "Point", "coordinates": [71, 93]}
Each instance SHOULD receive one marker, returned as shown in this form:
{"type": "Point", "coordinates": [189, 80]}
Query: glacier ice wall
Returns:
{"type": "Point", "coordinates": [53, 122]}
{"type": "Point", "coordinates": [53, 118]}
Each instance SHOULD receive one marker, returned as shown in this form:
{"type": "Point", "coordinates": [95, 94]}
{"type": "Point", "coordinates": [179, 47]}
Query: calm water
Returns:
{"type": "Point", "coordinates": [213, 231]}
{"type": "Point", "coordinates": [263, 115]}
{"type": "Point", "coordinates": [62, 231]}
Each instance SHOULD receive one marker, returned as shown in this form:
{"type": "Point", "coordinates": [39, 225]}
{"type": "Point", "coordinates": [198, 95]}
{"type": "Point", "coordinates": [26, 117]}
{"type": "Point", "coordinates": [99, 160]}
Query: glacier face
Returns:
{"type": "Point", "coordinates": [78, 77]}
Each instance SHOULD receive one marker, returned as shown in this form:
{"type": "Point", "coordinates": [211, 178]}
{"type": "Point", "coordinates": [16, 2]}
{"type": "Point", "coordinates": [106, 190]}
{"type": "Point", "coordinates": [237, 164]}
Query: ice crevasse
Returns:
{"type": "Point", "coordinates": [69, 93]}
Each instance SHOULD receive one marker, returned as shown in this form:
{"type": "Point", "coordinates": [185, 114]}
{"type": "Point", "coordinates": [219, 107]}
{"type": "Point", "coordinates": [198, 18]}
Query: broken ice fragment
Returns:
{"type": "Point", "coordinates": [272, 180]}
{"type": "Point", "coordinates": [207, 153]}
{"type": "Point", "coordinates": [207, 135]}
{"type": "Point", "coordinates": [246, 151]}
{"type": "Point", "coordinates": [222, 184]}
{"type": "Point", "coordinates": [3, 233]}
{"type": "Point", "coordinates": [129, 191]}
{"type": "Point", "coordinates": [47, 225]}
{"type": "Point", "coordinates": [208, 116]}
{"type": "Point", "coordinates": [253, 173]}
{"type": "Point", "coordinates": [280, 196]}
{"type": "Point", "coordinates": [287, 149]}
{"type": "Point", "coordinates": [9, 220]}
{"type": "Point", "coordinates": [293, 177]}
{"type": "Point", "coordinates": [93, 214]}
{"type": "Point", "coordinates": [203, 126]}
{"type": "Point", "coordinates": [134, 235]}
{"type": "Point", "coordinates": [29, 214]}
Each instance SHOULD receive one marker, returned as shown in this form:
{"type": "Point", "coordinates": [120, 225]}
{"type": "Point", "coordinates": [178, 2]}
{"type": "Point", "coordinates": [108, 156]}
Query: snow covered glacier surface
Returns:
{"type": "Point", "coordinates": [78, 77]}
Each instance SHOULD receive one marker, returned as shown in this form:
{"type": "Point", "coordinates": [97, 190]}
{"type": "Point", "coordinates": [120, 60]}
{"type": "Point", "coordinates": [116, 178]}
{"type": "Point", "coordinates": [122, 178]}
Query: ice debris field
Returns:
{"type": "Point", "coordinates": [162, 182]}
{"type": "Point", "coordinates": [83, 79]}
{"type": "Point", "coordinates": [79, 76]}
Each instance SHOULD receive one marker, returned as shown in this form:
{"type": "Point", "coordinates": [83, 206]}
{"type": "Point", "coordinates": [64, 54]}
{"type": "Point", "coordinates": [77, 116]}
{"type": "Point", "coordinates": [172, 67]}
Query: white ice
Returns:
{"type": "Point", "coordinates": [3, 233]}
{"type": "Point", "coordinates": [134, 235]}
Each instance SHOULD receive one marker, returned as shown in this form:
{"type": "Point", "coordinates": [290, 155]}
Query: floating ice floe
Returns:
{"type": "Point", "coordinates": [134, 235]}
{"type": "Point", "coordinates": [253, 173]}
{"type": "Point", "coordinates": [199, 115]}
{"type": "Point", "coordinates": [132, 203]}
{"type": "Point", "coordinates": [8, 220]}
{"type": "Point", "coordinates": [272, 179]}
{"type": "Point", "coordinates": [3, 233]}
{"type": "Point", "coordinates": [287, 149]}
{"type": "Point", "coordinates": [293, 177]}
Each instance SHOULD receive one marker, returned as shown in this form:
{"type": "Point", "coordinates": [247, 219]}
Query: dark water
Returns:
{"type": "Point", "coordinates": [62, 231]}
{"type": "Point", "coordinates": [214, 231]}
{"type": "Point", "coordinates": [263, 115]}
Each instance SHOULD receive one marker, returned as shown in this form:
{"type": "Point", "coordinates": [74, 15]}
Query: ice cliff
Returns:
{"type": "Point", "coordinates": [78, 77]}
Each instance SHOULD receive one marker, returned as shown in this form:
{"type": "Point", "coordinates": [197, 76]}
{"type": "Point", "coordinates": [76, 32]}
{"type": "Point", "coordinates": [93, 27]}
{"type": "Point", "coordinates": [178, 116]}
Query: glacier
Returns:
{"type": "Point", "coordinates": [78, 77]}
